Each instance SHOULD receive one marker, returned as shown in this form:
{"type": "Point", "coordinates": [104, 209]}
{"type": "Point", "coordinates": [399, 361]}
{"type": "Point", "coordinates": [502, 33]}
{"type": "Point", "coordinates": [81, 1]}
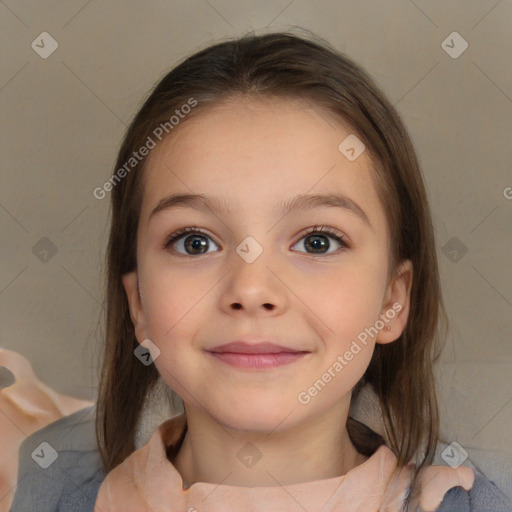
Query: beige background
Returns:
{"type": "Point", "coordinates": [64, 117]}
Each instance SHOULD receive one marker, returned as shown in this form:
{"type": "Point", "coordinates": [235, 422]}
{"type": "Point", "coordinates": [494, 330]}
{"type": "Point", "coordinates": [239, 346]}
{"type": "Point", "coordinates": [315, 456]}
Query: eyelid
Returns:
{"type": "Point", "coordinates": [341, 238]}
{"type": "Point", "coordinates": [325, 230]}
{"type": "Point", "coordinates": [180, 233]}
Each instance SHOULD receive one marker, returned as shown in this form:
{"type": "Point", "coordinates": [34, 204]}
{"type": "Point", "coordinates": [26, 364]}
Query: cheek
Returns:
{"type": "Point", "coordinates": [171, 298]}
{"type": "Point", "coordinates": [173, 305]}
{"type": "Point", "coordinates": [347, 300]}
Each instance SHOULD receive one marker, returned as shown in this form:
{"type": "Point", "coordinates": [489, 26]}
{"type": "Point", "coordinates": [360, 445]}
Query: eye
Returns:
{"type": "Point", "coordinates": [196, 242]}
{"type": "Point", "coordinates": [317, 238]}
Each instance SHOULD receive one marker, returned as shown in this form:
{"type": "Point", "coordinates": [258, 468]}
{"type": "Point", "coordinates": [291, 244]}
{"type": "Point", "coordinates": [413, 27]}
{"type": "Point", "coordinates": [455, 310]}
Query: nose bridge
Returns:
{"type": "Point", "coordinates": [252, 283]}
{"type": "Point", "coordinates": [252, 258]}
{"type": "Point", "coordinates": [250, 250]}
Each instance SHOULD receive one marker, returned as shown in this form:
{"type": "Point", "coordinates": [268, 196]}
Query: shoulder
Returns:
{"type": "Point", "coordinates": [460, 489]}
{"type": "Point", "coordinates": [60, 467]}
{"type": "Point", "coordinates": [484, 496]}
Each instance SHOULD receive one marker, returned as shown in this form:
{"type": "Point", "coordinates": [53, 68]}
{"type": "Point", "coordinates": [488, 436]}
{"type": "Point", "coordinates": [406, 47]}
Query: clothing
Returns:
{"type": "Point", "coordinates": [147, 481]}
{"type": "Point", "coordinates": [26, 405]}
{"type": "Point", "coordinates": [72, 483]}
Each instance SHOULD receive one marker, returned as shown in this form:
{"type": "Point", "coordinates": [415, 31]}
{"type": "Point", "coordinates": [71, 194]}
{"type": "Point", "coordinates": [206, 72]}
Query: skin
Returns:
{"type": "Point", "coordinates": [254, 153]}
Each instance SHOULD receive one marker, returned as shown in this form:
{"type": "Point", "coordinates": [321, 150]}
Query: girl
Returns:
{"type": "Point", "coordinates": [271, 252]}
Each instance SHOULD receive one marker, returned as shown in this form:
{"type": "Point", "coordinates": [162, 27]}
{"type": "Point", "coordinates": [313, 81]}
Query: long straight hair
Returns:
{"type": "Point", "coordinates": [284, 65]}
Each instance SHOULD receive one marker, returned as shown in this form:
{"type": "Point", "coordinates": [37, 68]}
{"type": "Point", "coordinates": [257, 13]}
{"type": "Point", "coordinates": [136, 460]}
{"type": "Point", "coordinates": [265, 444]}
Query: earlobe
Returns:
{"type": "Point", "coordinates": [130, 283]}
{"type": "Point", "coordinates": [396, 305]}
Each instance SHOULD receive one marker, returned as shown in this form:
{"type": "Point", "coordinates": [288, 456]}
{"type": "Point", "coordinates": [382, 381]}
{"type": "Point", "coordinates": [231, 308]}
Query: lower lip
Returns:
{"type": "Point", "coordinates": [258, 361]}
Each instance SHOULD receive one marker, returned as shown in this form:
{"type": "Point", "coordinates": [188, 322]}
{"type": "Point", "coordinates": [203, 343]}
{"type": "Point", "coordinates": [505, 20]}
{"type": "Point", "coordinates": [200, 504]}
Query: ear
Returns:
{"type": "Point", "coordinates": [131, 286]}
{"type": "Point", "coordinates": [396, 304]}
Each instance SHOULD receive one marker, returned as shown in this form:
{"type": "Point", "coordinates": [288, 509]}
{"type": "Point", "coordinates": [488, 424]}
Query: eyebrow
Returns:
{"type": "Point", "coordinates": [302, 202]}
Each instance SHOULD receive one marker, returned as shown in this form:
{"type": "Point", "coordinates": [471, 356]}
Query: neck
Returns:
{"type": "Point", "coordinates": [215, 453]}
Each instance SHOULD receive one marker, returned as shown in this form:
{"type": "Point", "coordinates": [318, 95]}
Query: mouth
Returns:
{"type": "Point", "coordinates": [256, 356]}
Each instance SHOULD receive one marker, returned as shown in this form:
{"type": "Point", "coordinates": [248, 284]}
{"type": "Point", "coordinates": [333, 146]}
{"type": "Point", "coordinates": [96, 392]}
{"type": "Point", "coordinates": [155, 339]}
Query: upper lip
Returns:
{"type": "Point", "coordinates": [242, 347]}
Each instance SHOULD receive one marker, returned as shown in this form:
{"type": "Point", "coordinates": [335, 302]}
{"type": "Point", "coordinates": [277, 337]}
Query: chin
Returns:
{"type": "Point", "coordinates": [250, 417]}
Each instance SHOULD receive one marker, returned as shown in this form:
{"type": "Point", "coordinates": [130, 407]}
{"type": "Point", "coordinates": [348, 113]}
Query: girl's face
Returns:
{"type": "Point", "coordinates": [255, 271]}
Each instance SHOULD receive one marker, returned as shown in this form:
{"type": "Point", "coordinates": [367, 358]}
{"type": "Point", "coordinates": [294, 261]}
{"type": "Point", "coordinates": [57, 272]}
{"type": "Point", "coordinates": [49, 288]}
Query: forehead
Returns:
{"type": "Point", "coordinates": [253, 153]}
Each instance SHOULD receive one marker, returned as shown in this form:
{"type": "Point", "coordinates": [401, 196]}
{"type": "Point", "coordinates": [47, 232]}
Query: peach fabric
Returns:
{"type": "Point", "coordinates": [26, 405]}
{"type": "Point", "coordinates": [148, 482]}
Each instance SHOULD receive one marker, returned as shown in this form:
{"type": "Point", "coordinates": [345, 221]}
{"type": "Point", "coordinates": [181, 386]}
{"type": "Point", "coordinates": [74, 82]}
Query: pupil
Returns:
{"type": "Point", "coordinates": [318, 242]}
{"type": "Point", "coordinates": [196, 243]}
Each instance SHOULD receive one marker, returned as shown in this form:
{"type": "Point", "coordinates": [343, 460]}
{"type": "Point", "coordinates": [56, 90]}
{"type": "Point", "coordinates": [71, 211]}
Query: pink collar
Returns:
{"type": "Point", "coordinates": [146, 481]}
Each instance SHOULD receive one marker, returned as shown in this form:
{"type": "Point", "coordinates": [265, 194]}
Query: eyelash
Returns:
{"type": "Point", "coordinates": [174, 237]}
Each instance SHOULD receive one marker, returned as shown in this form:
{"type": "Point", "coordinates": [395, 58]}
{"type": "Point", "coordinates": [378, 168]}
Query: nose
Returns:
{"type": "Point", "coordinates": [254, 288]}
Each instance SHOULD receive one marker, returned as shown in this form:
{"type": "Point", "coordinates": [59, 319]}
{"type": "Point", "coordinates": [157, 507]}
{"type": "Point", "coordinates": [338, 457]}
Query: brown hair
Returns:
{"type": "Point", "coordinates": [288, 66]}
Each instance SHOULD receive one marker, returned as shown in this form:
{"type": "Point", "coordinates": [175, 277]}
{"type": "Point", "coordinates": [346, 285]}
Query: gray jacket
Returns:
{"type": "Point", "coordinates": [71, 481]}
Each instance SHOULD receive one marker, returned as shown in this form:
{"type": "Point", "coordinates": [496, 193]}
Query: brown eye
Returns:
{"type": "Point", "coordinates": [317, 240]}
{"type": "Point", "coordinates": [189, 242]}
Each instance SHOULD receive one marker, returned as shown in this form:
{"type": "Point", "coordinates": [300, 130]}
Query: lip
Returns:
{"type": "Point", "coordinates": [242, 347]}
{"type": "Point", "coordinates": [256, 356]}
{"type": "Point", "coordinates": [258, 361]}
